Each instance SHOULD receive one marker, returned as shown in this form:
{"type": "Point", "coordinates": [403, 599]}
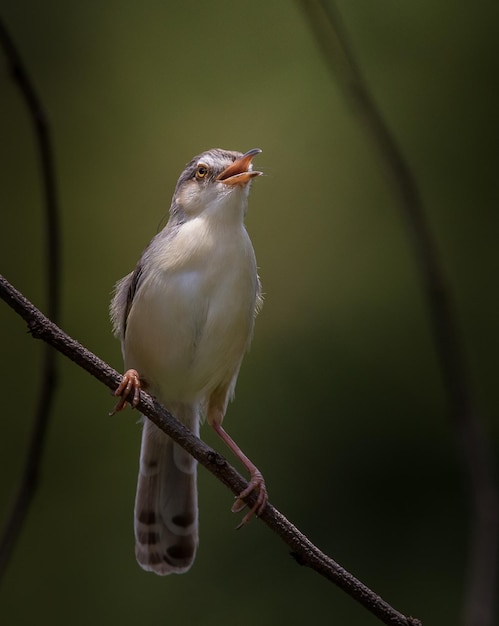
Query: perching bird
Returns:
{"type": "Point", "coordinates": [185, 318]}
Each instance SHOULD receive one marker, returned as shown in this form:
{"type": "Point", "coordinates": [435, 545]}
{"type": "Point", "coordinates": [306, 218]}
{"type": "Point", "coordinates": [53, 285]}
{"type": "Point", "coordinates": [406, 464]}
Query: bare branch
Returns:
{"type": "Point", "coordinates": [304, 552]}
{"type": "Point", "coordinates": [476, 454]}
{"type": "Point", "coordinates": [46, 392]}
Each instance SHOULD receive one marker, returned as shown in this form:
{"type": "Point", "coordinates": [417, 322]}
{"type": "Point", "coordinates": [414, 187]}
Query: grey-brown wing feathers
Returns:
{"type": "Point", "coordinates": [124, 293]}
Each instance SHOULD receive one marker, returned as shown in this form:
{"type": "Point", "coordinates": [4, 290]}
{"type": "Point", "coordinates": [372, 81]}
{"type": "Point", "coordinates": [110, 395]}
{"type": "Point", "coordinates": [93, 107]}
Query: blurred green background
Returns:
{"type": "Point", "coordinates": [340, 401]}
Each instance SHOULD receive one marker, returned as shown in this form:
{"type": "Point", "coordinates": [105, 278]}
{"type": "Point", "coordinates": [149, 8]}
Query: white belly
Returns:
{"type": "Point", "coordinates": [191, 321]}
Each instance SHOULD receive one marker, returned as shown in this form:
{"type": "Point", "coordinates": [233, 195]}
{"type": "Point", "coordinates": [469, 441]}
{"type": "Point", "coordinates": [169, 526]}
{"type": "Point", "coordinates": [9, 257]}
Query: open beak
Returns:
{"type": "Point", "coordinates": [238, 173]}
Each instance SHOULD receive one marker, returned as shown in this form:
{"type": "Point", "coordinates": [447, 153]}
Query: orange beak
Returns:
{"type": "Point", "coordinates": [238, 173]}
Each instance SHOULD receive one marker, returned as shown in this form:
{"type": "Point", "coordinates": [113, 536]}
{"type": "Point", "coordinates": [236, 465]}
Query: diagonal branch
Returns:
{"type": "Point", "coordinates": [477, 458]}
{"type": "Point", "coordinates": [304, 552]}
{"type": "Point", "coordinates": [46, 392]}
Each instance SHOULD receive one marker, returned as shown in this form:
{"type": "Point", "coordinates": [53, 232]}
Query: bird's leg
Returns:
{"type": "Point", "coordinates": [128, 391]}
{"type": "Point", "coordinates": [256, 482]}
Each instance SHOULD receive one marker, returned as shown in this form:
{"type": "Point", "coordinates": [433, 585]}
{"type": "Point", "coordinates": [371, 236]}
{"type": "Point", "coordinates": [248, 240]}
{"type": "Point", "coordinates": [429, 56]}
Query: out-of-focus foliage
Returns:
{"type": "Point", "coordinates": [340, 400]}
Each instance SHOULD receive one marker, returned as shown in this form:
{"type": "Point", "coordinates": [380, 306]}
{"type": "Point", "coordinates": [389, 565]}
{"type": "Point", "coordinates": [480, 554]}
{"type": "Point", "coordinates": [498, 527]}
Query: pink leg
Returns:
{"type": "Point", "coordinates": [256, 479]}
{"type": "Point", "coordinates": [129, 386]}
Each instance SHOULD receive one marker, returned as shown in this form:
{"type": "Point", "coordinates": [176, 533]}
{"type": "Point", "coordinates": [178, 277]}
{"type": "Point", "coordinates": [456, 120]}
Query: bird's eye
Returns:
{"type": "Point", "coordinates": [201, 172]}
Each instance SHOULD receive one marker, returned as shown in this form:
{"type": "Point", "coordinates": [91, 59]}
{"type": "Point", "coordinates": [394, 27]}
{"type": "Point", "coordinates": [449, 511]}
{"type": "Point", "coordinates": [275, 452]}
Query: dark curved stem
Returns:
{"type": "Point", "coordinates": [476, 455]}
{"type": "Point", "coordinates": [43, 409]}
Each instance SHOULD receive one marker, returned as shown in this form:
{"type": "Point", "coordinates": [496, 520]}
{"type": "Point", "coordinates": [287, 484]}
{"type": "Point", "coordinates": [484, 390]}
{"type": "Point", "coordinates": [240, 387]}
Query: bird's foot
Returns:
{"type": "Point", "coordinates": [128, 391]}
{"type": "Point", "coordinates": [256, 483]}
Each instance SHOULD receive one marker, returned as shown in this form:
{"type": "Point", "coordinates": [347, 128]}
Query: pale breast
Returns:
{"type": "Point", "coordinates": [192, 318]}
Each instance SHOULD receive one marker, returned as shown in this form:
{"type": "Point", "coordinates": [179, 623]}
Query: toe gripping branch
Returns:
{"type": "Point", "coordinates": [128, 391]}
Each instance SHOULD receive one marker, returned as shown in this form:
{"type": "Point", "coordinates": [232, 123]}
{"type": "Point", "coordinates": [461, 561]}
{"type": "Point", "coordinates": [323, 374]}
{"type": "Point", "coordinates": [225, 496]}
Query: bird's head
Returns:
{"type": "Point", "coordinates": [216, 181]}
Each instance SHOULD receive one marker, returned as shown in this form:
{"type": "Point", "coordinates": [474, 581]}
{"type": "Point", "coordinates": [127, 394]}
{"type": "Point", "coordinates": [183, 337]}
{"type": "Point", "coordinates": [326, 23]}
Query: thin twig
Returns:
{"type": "Point", "coordinates": [304, 552]}
{"type": "Point", "coordinates": [477, 458]}
{"type": "Point", "coordinates": [31, 471]}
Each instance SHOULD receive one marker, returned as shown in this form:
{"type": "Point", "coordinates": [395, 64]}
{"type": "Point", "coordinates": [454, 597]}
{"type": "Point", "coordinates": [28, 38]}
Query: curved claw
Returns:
{"type": "Point", "coordinates": [256, 483]}
{"type": "Point", "coordinates": [129, 386]}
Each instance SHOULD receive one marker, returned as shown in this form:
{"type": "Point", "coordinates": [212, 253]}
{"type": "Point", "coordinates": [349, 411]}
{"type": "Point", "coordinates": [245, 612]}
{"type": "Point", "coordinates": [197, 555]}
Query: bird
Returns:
{"type": "Point", "coordinates": [185, 317]}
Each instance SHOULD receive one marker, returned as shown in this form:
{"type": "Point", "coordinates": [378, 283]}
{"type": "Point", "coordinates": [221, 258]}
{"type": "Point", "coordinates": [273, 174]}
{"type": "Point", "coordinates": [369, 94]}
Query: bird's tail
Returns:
{"type": "Point", "coordinates": [166, 507]}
